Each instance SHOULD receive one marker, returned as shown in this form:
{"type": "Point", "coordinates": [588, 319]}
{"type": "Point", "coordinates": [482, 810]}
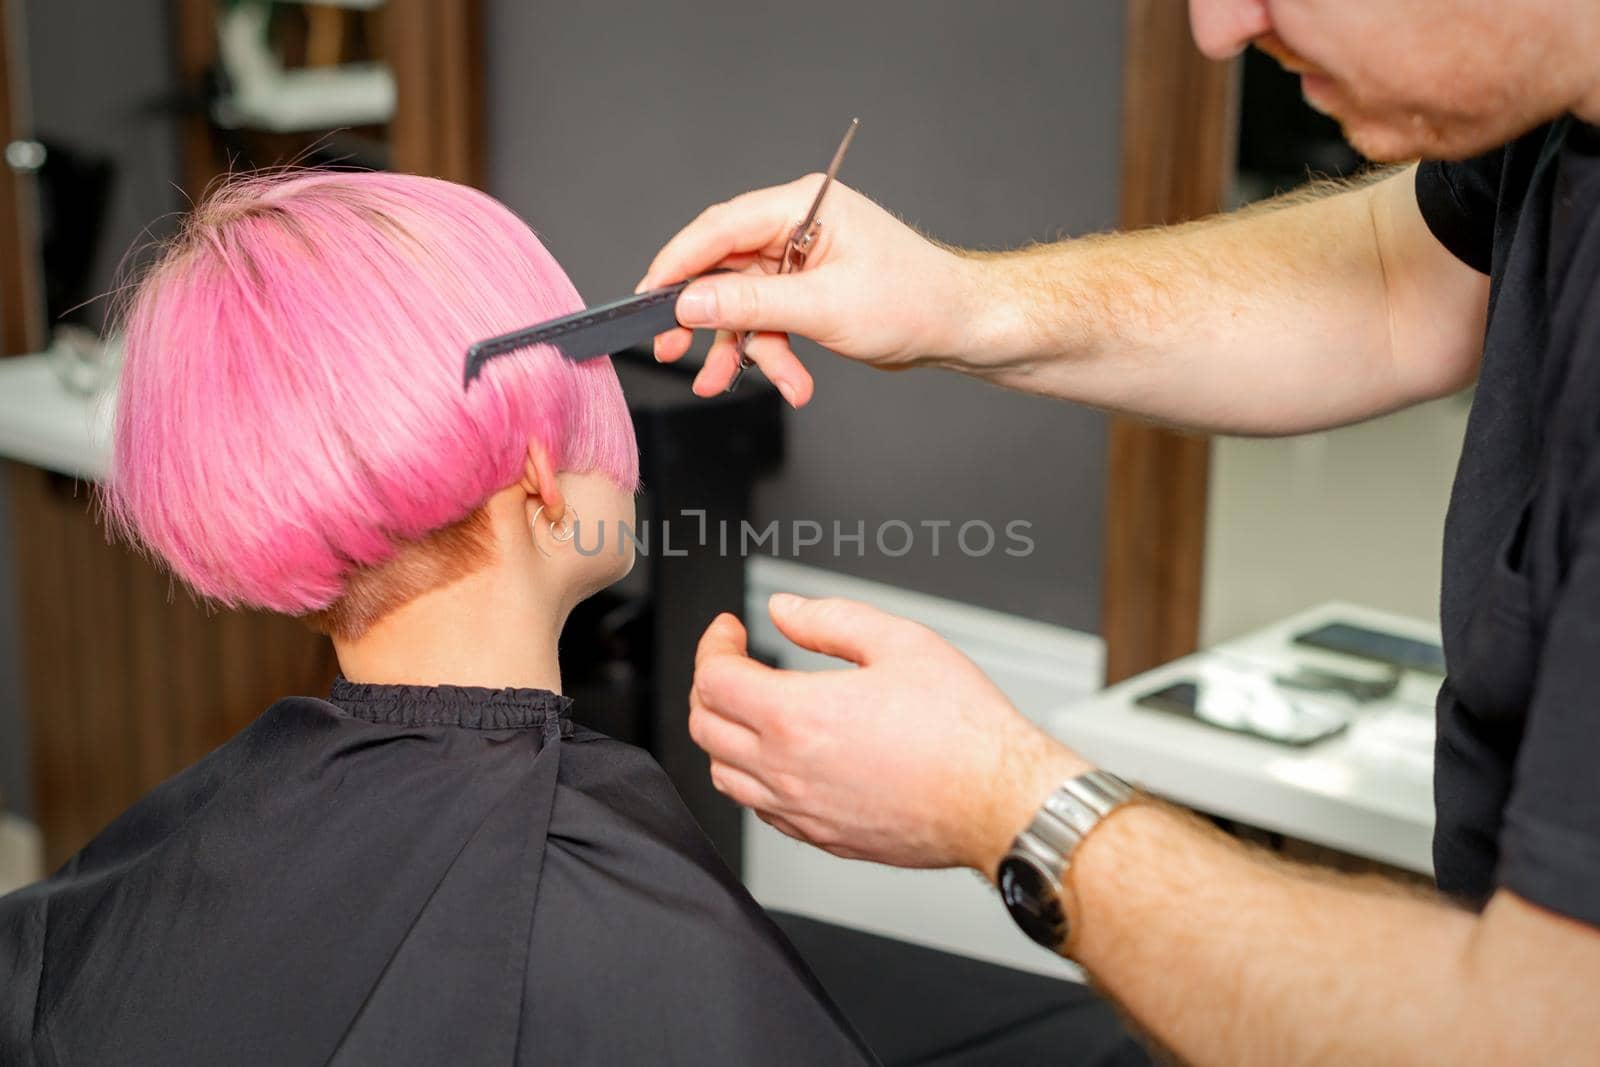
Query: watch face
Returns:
{"type": "Point", "coordinates": [1030, 896]}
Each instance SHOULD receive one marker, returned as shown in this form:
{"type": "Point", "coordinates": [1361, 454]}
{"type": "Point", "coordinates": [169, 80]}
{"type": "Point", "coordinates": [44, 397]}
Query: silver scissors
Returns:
{"type": "Point", "coordinates": [801, 240]}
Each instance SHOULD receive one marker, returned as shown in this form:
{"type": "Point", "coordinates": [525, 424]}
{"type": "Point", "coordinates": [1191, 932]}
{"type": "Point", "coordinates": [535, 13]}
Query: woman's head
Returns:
{"type": "Point", "coordinates": [291, 417]}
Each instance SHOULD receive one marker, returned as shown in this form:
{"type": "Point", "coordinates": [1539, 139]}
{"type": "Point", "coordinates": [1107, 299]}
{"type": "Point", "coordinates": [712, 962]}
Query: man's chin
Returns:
{"type": "Point", "coordinates": [1385, 144]}
{"type": "Point", "coordinates": [1381, 138]}
{"type": "Point", "coordinates": [1414, 137]}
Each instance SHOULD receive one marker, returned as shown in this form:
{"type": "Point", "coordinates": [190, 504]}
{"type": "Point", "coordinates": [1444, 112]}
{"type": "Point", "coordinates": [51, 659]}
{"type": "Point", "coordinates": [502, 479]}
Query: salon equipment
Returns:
{"type": "Point", "coordinates": [1360, 690]}
{"type": "Point", "coordinates": [84, 364]}
{"type": "Point", "coordinates": [596, 331]}
{"type": "Point", "coordinates": [1364, 643]}
{"type": "Point", "coordinates": [1248, 704]}
{"type": "Point", "coordinates": [1366, 791]}
{"type": "Point", "coordinates": [319, 96]}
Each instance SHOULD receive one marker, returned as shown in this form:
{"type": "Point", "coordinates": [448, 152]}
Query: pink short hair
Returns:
{"type": "Point", "coordinates": [291, 409]}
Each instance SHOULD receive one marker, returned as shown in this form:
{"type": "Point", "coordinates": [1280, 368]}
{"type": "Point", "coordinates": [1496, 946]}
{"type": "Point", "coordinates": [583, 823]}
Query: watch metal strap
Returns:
{"type": "Point", "coordinates": [1068, 814]}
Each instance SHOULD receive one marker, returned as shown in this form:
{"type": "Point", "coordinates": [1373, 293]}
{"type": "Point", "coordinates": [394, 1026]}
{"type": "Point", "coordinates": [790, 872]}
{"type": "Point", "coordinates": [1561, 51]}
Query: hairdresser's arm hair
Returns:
{"type": "Point", "coordinates": [1320, 308]}
{"type": "Point", "coordinates": [1229, 956]}
{"type": "Point", "coordinates": [1307, 313]}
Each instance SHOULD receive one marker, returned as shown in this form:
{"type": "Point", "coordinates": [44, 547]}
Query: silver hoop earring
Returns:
{"type": "Point", "coordinates": [555, 531]}
{"type": "Point", "coordinates": [570, 522]}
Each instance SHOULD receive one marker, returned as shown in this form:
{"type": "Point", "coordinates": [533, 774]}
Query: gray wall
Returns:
{"type": "Point", "coordinates": [991, 124]}
{"type": "Point", "coordinates": [95, 70]}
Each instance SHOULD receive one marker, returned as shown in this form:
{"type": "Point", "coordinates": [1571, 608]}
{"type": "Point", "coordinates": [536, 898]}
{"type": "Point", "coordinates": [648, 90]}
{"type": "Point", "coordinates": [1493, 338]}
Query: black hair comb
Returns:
{"type": "Point", "coordinates": [596, 331]}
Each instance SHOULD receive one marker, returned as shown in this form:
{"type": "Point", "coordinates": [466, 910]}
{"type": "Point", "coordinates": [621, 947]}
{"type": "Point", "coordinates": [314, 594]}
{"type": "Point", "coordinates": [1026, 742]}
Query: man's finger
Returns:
{"type": "Point", "coordinates": [717, 371]}
{"type": "Point", "coordinates": [672, 345]}
{"type": "Point", "coordinates": [770, 352]}
{"type": "Point", "coordinates": [773, 354]}
{"type": "Point", "coordinates": [834, 626]}
{"type": "Point", "coordinates": [751, 694]}
{"type": "Point", "coordinates": [740, 787]}
{"type": "Point", "coordinates": [779, 823]}
{"type": "Point", "coordinates": [734, 686]}
{"type": "Point", "coordinates": [747, 223]}
{"type": "Point", "coordinates": [723, 739]}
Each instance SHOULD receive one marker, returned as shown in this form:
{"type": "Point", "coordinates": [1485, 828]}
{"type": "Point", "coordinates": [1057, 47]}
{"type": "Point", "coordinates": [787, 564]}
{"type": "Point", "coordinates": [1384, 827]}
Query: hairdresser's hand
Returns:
{"type": "Point", "coordinates": [872, 288]}
{"type": "Point", "coordinates": [913, 758]}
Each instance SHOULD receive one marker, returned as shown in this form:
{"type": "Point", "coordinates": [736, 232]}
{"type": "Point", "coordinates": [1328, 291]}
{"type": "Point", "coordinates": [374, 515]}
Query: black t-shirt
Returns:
{"type": "Point", "coordinates": [1517, 769]}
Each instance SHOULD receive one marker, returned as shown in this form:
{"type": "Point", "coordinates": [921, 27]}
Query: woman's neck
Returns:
{"type": "Point", "coordinates": [490, 628]}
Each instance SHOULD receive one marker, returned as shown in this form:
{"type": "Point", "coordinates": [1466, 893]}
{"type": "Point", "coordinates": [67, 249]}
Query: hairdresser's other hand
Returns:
{"type": "Point", "coordinates": [872, 288]}
{"type": "Point", "coordinates": [912, 758]}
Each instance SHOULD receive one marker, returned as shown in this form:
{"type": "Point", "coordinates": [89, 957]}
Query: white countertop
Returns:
{"type": "Point", "coordinates": [43, 424]}
{"type": "Point", "coordinates": [1367, 791]}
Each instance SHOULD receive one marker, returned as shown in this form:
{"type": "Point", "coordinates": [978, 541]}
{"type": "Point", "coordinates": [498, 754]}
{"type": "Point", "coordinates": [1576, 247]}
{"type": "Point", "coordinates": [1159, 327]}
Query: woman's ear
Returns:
{"type": "Point", "coordinates": [539, 482]}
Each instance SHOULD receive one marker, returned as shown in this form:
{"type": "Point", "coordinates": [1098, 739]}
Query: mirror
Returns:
{"type": "Point", "coordinates": [117, 117]}
{"type": "Point", "coordinates": [129, 112]}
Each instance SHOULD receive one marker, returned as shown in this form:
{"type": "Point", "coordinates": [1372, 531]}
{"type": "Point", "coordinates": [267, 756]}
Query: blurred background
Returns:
{"type": "Point", "coordinates": [607, 125]}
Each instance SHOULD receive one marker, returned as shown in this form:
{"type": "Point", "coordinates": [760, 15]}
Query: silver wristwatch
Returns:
{"type": "Point", "coordinates": [1030, 874]}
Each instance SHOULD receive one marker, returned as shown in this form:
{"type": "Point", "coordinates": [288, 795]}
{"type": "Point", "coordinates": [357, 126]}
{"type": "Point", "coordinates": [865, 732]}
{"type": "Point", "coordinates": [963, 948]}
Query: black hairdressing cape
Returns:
{"type": "Point", "coordinates": [407, 875]}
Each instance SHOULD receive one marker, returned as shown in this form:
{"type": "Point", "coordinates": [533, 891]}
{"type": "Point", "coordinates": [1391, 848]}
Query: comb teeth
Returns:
{"type": "Point", "coordinates": [596, 331]}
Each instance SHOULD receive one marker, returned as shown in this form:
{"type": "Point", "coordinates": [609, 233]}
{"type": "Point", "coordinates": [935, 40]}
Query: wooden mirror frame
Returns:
{"type": "Point", "coordinates": [21, 302]}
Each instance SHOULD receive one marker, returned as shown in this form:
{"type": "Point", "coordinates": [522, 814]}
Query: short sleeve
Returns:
{"type": "Point", "coordinates": [1550, 839]}
{"type": "Point", "coordinates": [1458, 202]}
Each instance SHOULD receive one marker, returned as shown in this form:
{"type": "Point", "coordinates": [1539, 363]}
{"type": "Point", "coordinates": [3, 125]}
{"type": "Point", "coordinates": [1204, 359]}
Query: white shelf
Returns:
{"type": "Point", "coordinates": [44, 425]}
{"type": "Point", "coordinates": [314, 98]}
{"type": "Point", "coordinates": [268, 97]}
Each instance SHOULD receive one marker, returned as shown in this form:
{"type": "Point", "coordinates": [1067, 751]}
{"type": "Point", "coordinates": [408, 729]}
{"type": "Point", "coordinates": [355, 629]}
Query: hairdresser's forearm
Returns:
{"type": "Point", "coordinates": [1274, 320]}
{"type": "Point", "coordinates": [1229, 957]}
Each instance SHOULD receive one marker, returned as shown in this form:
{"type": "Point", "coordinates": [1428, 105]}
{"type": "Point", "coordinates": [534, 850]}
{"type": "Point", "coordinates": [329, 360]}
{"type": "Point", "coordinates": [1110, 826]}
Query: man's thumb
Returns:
{"type": "Point", "coordinates": [739, 302]}
{"type": "Point", "coordinates": [724, 637]}
{"type": "Point", "coordinates": [833, 626]}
